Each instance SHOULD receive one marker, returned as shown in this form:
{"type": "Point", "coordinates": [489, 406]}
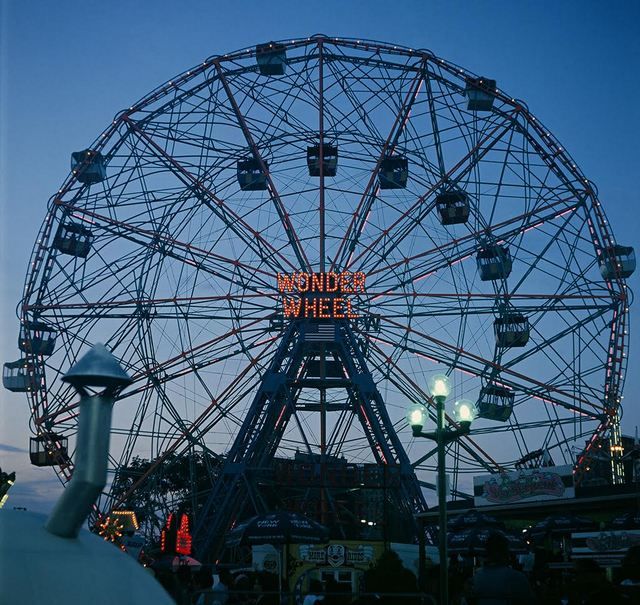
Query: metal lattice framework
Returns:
{"type": "Point", "coordinates": [177, 273]}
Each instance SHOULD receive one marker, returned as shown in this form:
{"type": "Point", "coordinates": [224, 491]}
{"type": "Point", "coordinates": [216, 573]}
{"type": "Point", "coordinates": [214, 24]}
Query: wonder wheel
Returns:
{"type": "Point", "coordinates": [282, 245]}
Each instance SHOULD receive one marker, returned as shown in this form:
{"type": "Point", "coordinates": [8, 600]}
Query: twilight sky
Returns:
{"type": "Point", "coordinates": [67, 68]}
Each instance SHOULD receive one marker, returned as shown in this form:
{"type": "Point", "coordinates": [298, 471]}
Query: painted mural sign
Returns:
{"type": "Point", "coordinates": [336, 555]}
{"type": "Point", "coordinates": [545, 483]}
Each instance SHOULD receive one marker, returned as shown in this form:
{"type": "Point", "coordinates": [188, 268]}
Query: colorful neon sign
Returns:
{"type": "Point", "coordinates": [320, 295]}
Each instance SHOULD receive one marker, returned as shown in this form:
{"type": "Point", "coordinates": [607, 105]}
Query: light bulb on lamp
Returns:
{"type": "Point", "coordinates": [417, 416]}
{"type": "Point", "coordinates": [464, 411]}
{"type": "Point", "coordinates": [439, 386]}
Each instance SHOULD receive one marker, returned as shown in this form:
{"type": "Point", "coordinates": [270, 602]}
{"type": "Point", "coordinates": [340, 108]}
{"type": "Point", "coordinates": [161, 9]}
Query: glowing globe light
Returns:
{"type": "Point", "coordinates": [417, 415]}
{"type": "Point", "coordinates": [439, 386]}
{"type": "Point", "coordinates": [464, 410]}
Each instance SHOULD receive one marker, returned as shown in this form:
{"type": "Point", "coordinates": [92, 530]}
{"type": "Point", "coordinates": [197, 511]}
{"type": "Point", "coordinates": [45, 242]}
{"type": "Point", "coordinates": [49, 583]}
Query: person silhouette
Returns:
{"type": "Point", "coordinates": [495, 583]}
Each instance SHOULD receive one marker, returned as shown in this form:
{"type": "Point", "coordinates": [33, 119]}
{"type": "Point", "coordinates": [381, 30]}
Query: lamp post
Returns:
{"type": "Point", "coordinates": [464, 412]}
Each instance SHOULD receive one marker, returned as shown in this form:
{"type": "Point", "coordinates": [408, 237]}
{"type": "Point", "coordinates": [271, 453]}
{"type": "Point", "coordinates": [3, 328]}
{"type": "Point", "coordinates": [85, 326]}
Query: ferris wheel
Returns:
{"type": "Point", "coordinates": [283, 244]}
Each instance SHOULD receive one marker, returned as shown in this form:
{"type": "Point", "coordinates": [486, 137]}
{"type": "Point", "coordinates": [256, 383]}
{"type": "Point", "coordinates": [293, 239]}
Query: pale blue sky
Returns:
{"type": "Point", "coordinates": [67, 67]}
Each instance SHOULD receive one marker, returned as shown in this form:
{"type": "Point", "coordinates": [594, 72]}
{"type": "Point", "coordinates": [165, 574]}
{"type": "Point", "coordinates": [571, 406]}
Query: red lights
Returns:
{"type": "Point", "coordinates": [174, 538]}
{"type": "Point", "coordinates": [168, 535]}
{"type": "Point", "coordinates": [345, 282]}
{"type": "Point", "coordinates": [306, 305]}
{"type": "Point", "coordinates": [183, 538]}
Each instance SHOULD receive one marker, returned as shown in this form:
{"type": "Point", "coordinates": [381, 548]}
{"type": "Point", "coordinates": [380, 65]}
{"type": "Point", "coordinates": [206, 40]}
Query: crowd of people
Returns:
{"type": "Point", "coordinates": [202, 587]}
{"type": "Point", "coordinates": [499, 580]}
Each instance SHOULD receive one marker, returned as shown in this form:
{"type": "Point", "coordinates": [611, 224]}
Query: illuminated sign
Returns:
{"type": "Point", "coordinates": [174, 537]}
{"type": "Point", "coordinates": [336, 554]}
{"type": "Point", "coordinates": [525, 485]}
{"type": "Point", "coordinates": [320, 295]}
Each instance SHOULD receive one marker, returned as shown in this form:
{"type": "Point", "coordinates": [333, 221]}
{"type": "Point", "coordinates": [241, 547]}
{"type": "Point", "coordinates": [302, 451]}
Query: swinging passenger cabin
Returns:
{"type": "Point", "coordinates": [453, 207]}
{"type": "Point", "coordinates": [36, 338]}
{"type": "Point", "coordinates": [329, 160]}
{"type": "Point", "coordinates": [250, 175]}
{"type": "Point", "coordinates": [511, 330]}
{"type": "Point", "coordinates": [495, 403]}
{"type": "Point", "coordinates": [494, 262]}
{"type": "Point", "coordinates": [48, 449]}
{"type": "Point", "coordinates": [73, 239]}
{"type": "Point", "coordinates": [394, 171]}
{"type": "Point", "coordinates": [617, 261]}
{"type": "Point", "coordinates": [480, 93]}
{"type": "Point", "coordinates": [88, 166]}
{"type": "Point", "coordinates": [271, 59]}
{"type": "Point", "coordinates": [20, 376]}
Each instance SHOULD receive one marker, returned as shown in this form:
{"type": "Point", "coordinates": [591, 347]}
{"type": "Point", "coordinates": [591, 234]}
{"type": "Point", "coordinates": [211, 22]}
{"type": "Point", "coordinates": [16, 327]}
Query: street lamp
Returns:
{"type": "Point", "coordinates": [464, 413]}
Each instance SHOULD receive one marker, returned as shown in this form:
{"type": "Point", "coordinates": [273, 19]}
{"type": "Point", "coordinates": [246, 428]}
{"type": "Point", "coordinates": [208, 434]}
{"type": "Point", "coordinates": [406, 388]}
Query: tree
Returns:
{"type": "Point", "coordinates": [177, 484]}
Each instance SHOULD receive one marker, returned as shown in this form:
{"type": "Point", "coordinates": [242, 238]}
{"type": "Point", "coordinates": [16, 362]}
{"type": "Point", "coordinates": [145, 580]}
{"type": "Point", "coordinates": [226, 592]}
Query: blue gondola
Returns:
{"type": "Point", "coordinates": [88, 166]}
{"type": "Point", "coordinates": [250, 175]}
{"type": "Point", "coordinates": [495, 403]}
{"type": "Point", "coordinates": [480, 93]}
{"type": "Point", "coordinates": [36, 338]}
{"type": "Point", "coordinates": [271, 59]}
{"type": "Point", "coordinates": [394, 172]}
{"type": "Point", "coordinates": [453, 207]}
{"type": "Point", "coordinates": [20, 376]}
{"type": "Point", "coordinates": [48, 449]}
{"type": "Point", "coordinates": [512, 330]}
{"type": "Point", "coordinates": [494, 262]}
{"type": "Point", "coordinates": [617, 261]}
{"type": "Point", "coordinates": [73, 239]}
{"type": "Point", "coordinates": [329, 160]}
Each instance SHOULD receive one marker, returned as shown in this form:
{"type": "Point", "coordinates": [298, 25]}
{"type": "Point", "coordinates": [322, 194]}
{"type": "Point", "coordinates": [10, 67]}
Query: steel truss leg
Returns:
{"type": "Point", "coordinates": [255, 446]}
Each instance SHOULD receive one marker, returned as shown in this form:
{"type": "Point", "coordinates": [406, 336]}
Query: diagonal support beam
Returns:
{"type": "Point", "coordinates": [296, 246]}
{"type": "Point", "coordinates": [370, 193]}
{"type": "Point", "coordinates": [233, 221]}
{"type": "Point", "coordinates": [418, 210]}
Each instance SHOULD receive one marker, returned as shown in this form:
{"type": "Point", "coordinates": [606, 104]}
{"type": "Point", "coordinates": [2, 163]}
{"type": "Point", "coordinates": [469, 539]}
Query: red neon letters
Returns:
{"type": "Point", "coordinates": [302, 294]}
